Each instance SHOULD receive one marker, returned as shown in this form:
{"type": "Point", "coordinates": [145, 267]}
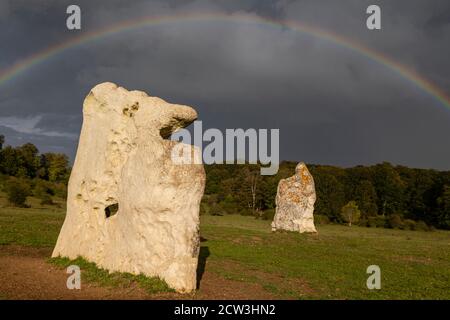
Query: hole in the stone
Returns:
{"type": "Point", "coordinates": [111, 210]}
{"type": "Point", "coordinates": [173, 126]}
{"type": "Point", "coordinates": [166, 132]}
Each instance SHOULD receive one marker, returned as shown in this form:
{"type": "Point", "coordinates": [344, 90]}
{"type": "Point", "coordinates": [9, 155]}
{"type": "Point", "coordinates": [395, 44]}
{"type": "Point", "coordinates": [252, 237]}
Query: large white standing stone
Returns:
{"type": "Point", "coordinates": [295, 202]}
{"type": "Point", "coordinates": [123, 159]}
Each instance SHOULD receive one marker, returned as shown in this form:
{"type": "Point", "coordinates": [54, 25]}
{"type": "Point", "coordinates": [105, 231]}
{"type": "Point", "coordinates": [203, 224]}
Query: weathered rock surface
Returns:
{"type": "Point", "coordinates": [295, 202]}
{"type": "Point", "coordinates": [123, 159]}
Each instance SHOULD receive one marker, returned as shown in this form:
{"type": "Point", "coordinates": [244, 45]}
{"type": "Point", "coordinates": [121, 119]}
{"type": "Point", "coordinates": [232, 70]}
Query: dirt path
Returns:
{"type": "Point", "coordinates": [25, 274]}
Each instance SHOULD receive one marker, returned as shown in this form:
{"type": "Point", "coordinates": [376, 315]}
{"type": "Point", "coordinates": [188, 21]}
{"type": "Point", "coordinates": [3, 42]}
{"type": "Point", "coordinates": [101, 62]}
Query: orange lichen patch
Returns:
{"type": "Point", "coordinates": [294, 191]}
{"type": "Point", "coordinates": [294, 196]}
{"type": "Point", "coordinates": [306, 176]}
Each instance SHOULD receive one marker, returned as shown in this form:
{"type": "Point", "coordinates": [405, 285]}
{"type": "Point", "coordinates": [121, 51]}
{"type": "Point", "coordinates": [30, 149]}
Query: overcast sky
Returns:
{"type": "Point", "coordinates": [331, 104]}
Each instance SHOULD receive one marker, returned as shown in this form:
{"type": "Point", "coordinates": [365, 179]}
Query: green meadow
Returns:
{"type": "Point", "coordinates": [329, 265]}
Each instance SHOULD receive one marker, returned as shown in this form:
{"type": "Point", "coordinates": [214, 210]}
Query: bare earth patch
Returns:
{"type": "Point", "coordinates": [26, 274]}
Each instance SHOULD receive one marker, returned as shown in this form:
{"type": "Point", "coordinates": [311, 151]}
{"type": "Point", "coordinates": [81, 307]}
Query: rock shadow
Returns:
{"type": "Point", "coordinates": [202, 257]}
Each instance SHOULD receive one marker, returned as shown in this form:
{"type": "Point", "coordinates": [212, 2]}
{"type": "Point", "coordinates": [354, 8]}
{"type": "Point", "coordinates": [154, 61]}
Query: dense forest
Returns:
{"type": "Point", "coordinates": [383, 195]}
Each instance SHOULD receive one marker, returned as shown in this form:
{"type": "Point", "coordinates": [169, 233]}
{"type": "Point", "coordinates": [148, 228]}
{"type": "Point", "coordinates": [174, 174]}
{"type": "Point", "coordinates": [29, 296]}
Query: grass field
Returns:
{"type": "Point", "coordinates": [329, 265]}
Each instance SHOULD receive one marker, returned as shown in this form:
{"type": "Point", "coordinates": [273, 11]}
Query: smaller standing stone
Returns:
{"type": "Point", "coordinates": [295, 202]}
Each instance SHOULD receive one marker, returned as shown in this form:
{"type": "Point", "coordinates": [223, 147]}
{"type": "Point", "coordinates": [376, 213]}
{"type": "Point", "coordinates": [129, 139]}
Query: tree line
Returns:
{"type": "Point", "coordinates": [25, 172]}
{"type": "Point", "coordinates": [382, 195]}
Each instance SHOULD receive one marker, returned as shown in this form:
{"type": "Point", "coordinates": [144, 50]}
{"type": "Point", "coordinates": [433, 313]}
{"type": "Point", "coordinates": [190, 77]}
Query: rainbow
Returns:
{"type": "Point", "coordinates": [422, 83]}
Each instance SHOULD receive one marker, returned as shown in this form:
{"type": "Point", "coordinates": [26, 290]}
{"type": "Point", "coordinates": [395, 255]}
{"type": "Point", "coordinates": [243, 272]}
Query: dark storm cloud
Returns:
{"type": "Point", "coordinates": [332, 105]}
